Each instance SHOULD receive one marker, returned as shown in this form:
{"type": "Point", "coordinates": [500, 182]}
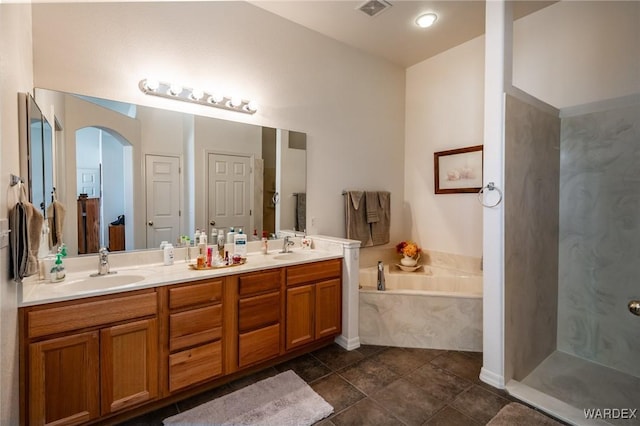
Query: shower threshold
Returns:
{"type": "Point", "coordinates": [572, 389]}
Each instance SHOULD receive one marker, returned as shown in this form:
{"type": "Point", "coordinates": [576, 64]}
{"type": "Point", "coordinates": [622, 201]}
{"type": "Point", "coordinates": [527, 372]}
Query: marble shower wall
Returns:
{"type": "Point", "coordinates": [600, 237]}
{"type": "Point", "coordinates": [532, 168]}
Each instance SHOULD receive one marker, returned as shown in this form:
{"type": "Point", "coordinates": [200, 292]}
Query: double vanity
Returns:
{"type": "Point", "coordinates": [102, 349]}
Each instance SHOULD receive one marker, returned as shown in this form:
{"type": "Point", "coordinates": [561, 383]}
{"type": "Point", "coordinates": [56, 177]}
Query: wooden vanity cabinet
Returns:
{"type": "Point", "coordinates": [88, 358]}
{"type": "Point", "coordinates": [195, 333]}
{"type": "Point", "coordinates": [313, 302]}
{"type": "Point", "coordinates": [259, 316]}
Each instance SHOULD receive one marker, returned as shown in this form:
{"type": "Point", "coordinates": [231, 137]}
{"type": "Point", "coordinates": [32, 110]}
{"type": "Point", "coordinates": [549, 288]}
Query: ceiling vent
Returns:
{"type": "Point", "coordinates": [374, 7]}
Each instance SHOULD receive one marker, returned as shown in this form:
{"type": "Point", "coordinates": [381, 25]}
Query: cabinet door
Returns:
{"type": "Point", "coordinates": [300, 306]}
{"type": "Point", "coordinates": [328, 307]}
{"type": "Point", "coordinates": [129, 364]}
{"type": "Point", "coordinates": [64, 380]}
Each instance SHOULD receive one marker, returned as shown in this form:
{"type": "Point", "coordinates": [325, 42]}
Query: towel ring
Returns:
{"type": "Point", "coordinates": [491, 187]}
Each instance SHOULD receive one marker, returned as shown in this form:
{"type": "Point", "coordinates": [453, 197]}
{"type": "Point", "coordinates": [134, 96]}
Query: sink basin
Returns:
{"type": "Point", "coordinates": [102, 282]}
{"type": "Point", "coordinates": [294, 255]}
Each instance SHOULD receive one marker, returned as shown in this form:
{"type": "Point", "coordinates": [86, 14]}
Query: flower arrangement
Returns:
{"type": "Point", "coordinates": [408, 248]}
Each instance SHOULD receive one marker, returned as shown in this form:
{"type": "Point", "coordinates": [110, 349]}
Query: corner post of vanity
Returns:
{"type": "Point", "coordinates": [350, 337]}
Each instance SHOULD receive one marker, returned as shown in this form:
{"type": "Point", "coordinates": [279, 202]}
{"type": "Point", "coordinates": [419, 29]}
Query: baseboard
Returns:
{"type": "Point", "coordinates": [491, 378]}
{"type": "Point", "coordinates": [348, 344]}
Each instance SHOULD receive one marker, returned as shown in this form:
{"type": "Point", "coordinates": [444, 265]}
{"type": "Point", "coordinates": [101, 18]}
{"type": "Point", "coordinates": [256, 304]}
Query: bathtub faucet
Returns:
{"type": "Point", "coordinates": [381, 285]}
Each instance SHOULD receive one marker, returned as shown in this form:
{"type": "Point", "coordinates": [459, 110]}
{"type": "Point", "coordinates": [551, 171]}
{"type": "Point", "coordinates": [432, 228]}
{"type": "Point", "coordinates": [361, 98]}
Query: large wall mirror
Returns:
{"type": "Point", "coordinates": [131, 176]}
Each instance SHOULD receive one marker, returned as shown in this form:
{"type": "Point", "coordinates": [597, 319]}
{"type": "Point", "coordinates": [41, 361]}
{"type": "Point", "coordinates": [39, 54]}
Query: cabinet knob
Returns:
{"type": "Point", "coordinates": [150, 223]}
{"type": "Point", "coordinates": [212, 222]}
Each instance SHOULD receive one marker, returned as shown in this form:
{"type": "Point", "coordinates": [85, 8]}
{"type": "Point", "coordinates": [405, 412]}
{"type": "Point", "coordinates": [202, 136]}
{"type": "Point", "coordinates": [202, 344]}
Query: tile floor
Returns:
{"type": "Point", "coordinates": [376, 385]}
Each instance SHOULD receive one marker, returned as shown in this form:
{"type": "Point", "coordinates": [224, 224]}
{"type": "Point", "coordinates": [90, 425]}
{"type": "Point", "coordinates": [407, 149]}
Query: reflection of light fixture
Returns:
{"type": "Point", "coordinates": [196, 96]}
{"type": "Point", "coordinates": [426, 20]}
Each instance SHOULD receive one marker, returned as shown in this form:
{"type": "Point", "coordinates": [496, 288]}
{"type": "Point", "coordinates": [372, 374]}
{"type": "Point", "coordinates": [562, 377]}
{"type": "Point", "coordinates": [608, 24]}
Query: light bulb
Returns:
{"type": "Point", "coordinates": [235, 102]}
{"type": "Point", "coordinates": [151, 84]}
{"type": "Point", "coordinates": [426, 20]}
{"type": "Point", "coordinates": [196, 94]}
{"type": "Point", "coordinates": [252, 106]}
{"type": "Point", "coordinates": [215, 99]}
{"type": "Point", "coordinates": [175, 89]}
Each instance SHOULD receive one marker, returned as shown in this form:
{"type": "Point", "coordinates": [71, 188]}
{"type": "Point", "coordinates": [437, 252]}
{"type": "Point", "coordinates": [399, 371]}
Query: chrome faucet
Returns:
{"type": "Point", "coordinates": [103, 263]}
{"type": "Point", "coordinates": [286, 244]}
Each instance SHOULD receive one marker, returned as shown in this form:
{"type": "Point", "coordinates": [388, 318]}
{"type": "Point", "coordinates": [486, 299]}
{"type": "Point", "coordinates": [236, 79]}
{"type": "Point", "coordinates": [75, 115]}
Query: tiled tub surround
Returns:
{"type": "Point", "coordinates": [434, 307]}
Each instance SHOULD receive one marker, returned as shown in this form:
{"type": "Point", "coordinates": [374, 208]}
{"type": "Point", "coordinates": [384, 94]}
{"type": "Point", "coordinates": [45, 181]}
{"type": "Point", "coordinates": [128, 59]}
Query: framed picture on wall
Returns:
{"type": "Point", "coordinates": [458, 170]}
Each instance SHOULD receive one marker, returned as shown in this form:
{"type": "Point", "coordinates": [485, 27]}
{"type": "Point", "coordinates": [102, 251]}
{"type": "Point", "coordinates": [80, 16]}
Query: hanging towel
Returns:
{"type": "Point", "coordinates": [356, 218]}
{"type": "Point", "coordinates": [34, 229]}
{"type": "Point", "coordinates": [19, 241]}
{"type": "Point", "coordinates": [372, 205]}
{"type": "Point", "coordinates": [55, 215]}
{"type": "Point", "coordinates": [380, 229]}
{"type": "Point", "coordinates": [301, 211]}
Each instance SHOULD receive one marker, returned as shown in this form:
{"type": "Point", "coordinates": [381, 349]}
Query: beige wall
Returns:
{"type": "Point", "coordinates": [350, 104]}
{"type": "Point", "coordinates": [444, 110]}
{"type": "Point", "coordinates": [576, 52]}
{"type": "Point", "coordinates": [16, 75]}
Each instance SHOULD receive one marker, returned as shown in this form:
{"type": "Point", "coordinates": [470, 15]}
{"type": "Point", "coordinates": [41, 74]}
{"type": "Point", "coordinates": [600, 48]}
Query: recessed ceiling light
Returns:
{"type": "Point", "coordinates": [426, 20]}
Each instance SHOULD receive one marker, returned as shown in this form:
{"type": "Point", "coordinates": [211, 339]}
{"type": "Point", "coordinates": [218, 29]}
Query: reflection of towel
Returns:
{"type": "Point", "coordinates": [380, 229]}
{"type": "Point", "coordinates": [301, 211]}
{"type": "Point", "coordinates": [371, 200]}
{"type": "Point", "coordinates": [34, 229]}
{"type": "Point", "coordinates": [356, 218]}
{"type": "Point", "coordinates": [55, 215]}
{"type": "Point", "coordinates": [18, 241]}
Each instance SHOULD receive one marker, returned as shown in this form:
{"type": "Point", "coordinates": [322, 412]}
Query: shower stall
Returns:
{"type": "Point", "coordinates": [572, 226]}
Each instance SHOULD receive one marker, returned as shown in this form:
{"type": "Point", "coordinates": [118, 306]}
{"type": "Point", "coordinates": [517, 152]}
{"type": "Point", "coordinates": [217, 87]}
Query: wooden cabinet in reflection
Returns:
{"type": "Point", "coordinates": [88, 224]}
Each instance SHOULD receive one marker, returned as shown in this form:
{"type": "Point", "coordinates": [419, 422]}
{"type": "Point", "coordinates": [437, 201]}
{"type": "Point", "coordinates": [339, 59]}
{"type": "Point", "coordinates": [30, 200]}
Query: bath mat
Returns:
{"type": "Point", "coordinates": [281, 400]}
{"type": "Point", "coordinates": [518, 414]}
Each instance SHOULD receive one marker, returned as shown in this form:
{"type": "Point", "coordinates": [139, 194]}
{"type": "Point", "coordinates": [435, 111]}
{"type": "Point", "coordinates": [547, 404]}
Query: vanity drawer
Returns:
{"type": "Point", "coordinates": [259, 311]}
{"type": "Point", "coordinates": [194, 327]}
{"type": "Point", "coordinates": [260, 282]}
{"type": "Point", "coordinates": [195, 365]}
{"type": "Point", "coordinates": [85, 314]}
{"type": "Point", "coordinates": [195, 294]}
{"type": "Point", "coordinates": [311, 272]}
{"type": "Point", "coordinates": [259, 345]}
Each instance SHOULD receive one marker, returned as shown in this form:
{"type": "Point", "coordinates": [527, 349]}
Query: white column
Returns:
{"type": "Point", "coordinates": [350, 249]}
{"type": "Point", "coordinates": [498, 73]}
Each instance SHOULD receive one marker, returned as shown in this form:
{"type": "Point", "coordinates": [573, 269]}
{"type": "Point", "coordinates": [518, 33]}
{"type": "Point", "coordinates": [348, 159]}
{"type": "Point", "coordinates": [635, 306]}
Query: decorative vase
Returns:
{"type": "Point", "coordinates": [408, 261]}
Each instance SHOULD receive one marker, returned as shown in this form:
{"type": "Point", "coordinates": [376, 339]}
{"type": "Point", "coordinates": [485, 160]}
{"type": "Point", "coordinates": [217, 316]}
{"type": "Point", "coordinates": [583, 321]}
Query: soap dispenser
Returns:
{"type": "Point", "coordinates": [57, 272]}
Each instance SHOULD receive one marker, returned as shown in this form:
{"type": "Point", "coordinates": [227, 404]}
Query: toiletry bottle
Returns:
{"type": "Point", "coordinates": [240, 244]}
{"type": "Point", "coordinates": [214, 237]}
{"type": "Point", "coordinates": [230, 235]}
{"type": "Point", "coordinates": [381, 284]}
{"type": "Point", "coordinates": [167, 252]}
{"type": "Point", "coordinates": [265, 243]}
{"type": "Point", "coordinates": [221, 243]}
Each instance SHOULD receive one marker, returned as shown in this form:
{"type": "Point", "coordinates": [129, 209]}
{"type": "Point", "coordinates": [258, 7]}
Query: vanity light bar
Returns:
{"type": "Point", "coordinates": [196, 96]}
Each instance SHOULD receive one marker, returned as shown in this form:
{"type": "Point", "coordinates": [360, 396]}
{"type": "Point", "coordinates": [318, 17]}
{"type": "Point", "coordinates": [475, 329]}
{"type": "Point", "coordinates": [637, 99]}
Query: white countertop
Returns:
{"type": "Point", "coordinates": [78, 284]}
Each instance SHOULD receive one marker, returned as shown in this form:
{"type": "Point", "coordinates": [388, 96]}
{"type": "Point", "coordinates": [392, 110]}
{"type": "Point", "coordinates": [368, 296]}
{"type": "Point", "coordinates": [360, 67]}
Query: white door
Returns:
{"type": "Point", "coordinates": [229, 192]}
{"type": "Point", "coordinates": [163, 199]}
{"type": "Point", "coordinates": [88, 182]}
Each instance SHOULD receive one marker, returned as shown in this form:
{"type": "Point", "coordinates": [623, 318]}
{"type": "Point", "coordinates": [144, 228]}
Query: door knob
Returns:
{"type": "Point", "coordinates": [212, 223]}
{"type": "Point", "coordinates": [150, 223]}
{"type": "Point", "coordinates": [634, 307]}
